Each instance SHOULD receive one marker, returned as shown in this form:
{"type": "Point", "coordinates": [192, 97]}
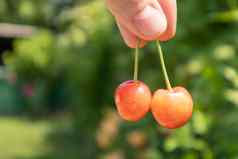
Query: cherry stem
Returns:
{"type": "Point", "coordinates": [168, 85]}
{"type": "Point", "coordinates": [136, 63]}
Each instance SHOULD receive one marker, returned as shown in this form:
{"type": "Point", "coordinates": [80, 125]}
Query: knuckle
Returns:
{"type": "Point", "coordinates": [134, 6]}
{"type": "Point", "coordinates": [127, 8]}
{"type": "Point", "coordinates": [110, 7]}
{"type": "Point", "coordinates": [108, 4]}
{"type": "Point", "coordinates": [137, 4]}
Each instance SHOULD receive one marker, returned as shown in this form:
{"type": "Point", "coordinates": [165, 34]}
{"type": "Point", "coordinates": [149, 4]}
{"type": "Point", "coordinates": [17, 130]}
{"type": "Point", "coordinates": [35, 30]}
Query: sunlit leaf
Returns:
{"type": "Point", "coordinates": [226, 16]}
{"type": "Point", "coordinates": [232, 96]}
{"type": "Point", "coordinates": [224, 52]}
{"type": "Point", "coordinates": [231, 74]}
{"type": "Point", "coordinates": [200, 122]}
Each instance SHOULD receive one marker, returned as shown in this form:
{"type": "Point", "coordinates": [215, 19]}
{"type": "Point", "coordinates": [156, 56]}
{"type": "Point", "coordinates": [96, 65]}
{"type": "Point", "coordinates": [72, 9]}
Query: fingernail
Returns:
{"type": "Point", "coordinates": [150, 21]}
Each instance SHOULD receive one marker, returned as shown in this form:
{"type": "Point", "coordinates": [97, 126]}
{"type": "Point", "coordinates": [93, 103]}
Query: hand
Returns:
{"type": "Point", "coordinates": [144, 19]}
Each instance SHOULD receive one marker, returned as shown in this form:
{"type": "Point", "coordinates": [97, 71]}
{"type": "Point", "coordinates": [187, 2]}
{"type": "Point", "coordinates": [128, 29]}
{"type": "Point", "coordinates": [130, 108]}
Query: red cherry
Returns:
{"type": "Point", "coordinates": [133, 99]}
{"type": "Point", "coordinates": [172, 108]}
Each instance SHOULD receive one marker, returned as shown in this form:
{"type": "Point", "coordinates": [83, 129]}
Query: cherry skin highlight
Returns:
{"type": "Point", "coordinates": [133, 100]}
{"type": "Point", "coordinates": [172, 108]}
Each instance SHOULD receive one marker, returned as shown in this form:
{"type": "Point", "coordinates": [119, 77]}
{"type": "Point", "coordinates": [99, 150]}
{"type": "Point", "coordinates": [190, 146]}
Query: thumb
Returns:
{"type": "Point", "coordinates": [150, 23]}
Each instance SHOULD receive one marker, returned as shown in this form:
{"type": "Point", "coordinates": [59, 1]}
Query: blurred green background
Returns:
{"type": "Point", "coordinates": [63, 60]}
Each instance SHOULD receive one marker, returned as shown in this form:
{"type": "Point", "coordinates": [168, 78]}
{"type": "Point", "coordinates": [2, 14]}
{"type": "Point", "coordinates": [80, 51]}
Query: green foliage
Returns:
{"type": "Point", "coordinates": [27, 143]}
{"type": "Point", "coordinates": [32, 56]}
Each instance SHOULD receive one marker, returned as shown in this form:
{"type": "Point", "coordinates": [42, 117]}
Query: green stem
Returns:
{"type": "Point", "coordinates": [136, 63]}
{"type": "Point", "coordinates": [166, 77]}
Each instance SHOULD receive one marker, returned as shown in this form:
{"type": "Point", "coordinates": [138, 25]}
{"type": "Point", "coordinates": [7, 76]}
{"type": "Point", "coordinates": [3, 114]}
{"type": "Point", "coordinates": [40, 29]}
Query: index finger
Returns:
{"type": "Point", "coordinates": [170, 9]}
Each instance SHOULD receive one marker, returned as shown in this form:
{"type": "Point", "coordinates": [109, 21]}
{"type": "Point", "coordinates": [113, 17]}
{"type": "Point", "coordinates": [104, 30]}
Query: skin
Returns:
{"type": "Point", "coordinates": [133, 100]}
{"type": "Point", "coordinates": [172, 108]}
{"type": "Point", "coordinates": [146, 20]}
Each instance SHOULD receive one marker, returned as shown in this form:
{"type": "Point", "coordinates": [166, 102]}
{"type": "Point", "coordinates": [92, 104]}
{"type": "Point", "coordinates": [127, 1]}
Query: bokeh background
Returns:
{"type": "Point", "coordinates": [63, 59]}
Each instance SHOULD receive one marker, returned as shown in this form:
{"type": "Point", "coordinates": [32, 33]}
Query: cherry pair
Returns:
{"type": "Point", "coordinates": [171, 107]}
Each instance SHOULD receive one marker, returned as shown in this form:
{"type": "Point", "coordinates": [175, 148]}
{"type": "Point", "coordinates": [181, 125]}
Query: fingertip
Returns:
{"type": "Point", "coordinates": [170, 9]}
{"type": "Point", "coordinates": [129, 38]}
{"type": "Point", "coordinates": [168, 35]}
{"type": "Point", "coordinates": [134, 45]}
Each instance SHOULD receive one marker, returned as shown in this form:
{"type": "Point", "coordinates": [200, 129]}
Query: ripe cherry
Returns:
{"type": "Point", "coordinates": [133, 97]}
{"type": "Point", "coordinates": [172, 108]}
{"type": "Point", "coordinates": [133, 100]}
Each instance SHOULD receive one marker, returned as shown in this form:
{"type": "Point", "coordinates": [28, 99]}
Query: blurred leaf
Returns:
{"type": "Point", "coordinates": [26, 9]}
{"type": "Point", "coordinates": [190, 155]}
{"type": "Point", "coordinates": [231, 74]}
{"type": "Point", "coordinates": [232, 96]}
{"type": "Point", "coordinates": [224, 52]}
{"type": "Point", "coordinates": [200, 123]}
{"type": "Point", "coordinates": [152, 154]}
{"type": "Point", "coordinates": [195, 65]}
{"type": "Point", "coordinates": [226, 16]}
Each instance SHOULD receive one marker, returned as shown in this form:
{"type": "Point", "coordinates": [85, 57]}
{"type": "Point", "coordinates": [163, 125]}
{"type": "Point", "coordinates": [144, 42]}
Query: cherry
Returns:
{"type": "Point", "coordinates": [172, 108]}
{"type": "Point", "coordinates": [133, 97]}
{"type": "Point", "coordinates": [133, 100]}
